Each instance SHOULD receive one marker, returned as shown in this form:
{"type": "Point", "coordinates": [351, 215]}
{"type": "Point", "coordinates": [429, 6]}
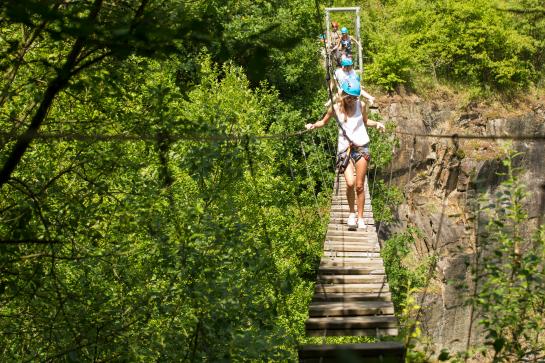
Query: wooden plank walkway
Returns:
{"type": "Point", "coordinates": [352, 296]}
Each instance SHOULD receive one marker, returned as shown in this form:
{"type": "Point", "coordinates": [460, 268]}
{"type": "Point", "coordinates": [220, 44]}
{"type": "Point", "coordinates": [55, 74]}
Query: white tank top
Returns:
{"type": "Point", "coordinates": [354, 128]}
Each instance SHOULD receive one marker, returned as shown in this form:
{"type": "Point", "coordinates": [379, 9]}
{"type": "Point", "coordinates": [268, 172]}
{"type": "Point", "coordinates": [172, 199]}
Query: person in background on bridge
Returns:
{"type": "Point", "coordinates": [335, 44]}
{"type": "Point", "coordinates": [346, 43]}
{"type": "Point", "coordinates": [353, 143]}
{"type": "Point", "coordinates": [347, 71]}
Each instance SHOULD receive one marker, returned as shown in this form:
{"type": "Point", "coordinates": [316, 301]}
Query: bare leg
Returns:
{"type": "Point", "coordinates": [361, 170]}
{"type": "Point", "coordinates": [350, 182]}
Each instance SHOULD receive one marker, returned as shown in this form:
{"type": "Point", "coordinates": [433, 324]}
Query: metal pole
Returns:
{"type": "Point", "coordinates": [360, 52]}
{"type": "Point", "coordinates": [327, 27]}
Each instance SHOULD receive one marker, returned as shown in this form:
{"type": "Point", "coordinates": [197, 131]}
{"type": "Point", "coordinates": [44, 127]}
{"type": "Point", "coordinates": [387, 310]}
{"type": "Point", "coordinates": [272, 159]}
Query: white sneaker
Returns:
{"type": "Point", "coordinates": [361, 224]}
{"type": "Point", "coordinates": [351, 221]}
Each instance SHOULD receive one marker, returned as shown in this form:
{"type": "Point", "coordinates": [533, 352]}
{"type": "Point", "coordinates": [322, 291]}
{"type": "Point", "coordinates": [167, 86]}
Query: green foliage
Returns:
{"type": "Point", "coordinates": [407, 275]}
{"type": "Point", "coordinates": [193, 252]}
{"type": "Point", "coordinates": [472, 43]}
{"type": "Point", "coordinates": [510, 280]}
{"type": "Point", "coordinates": [384, 195]}
{"type": "Point", "coordinates": [391, 67]}
{"type": "Point", "coordinates": [403, 273]}
{"type": "Point", "coordinates": [155, 246]}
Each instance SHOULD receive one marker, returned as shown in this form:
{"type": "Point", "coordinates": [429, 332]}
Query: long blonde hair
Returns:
{"type": "Point", "coordinates": [342, 104]}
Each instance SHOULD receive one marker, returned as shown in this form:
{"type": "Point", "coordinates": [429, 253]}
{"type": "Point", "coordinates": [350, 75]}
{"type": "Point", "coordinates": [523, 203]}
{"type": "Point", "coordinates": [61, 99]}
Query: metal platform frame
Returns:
{"type": "Point", "coordinates": [359, 60]}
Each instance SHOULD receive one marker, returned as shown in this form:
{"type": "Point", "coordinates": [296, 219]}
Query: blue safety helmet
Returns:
{"type": "Point", "coordinates": [345, 62]}
{"type": "Point", "coordinates": [344, 30]}
{"type": "Point", "coordinates": [351, 86]}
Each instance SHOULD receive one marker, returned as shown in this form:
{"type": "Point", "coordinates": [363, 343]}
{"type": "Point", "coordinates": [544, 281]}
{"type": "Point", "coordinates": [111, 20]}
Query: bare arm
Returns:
{"type": "Point", "coordinates": [322, 122]}
{"type": "Point", "coordinates": [337, 44]}
{"type": "Point", "coordinates": [370, 123]}
{"type": "Point", "coordinates": [355, 41]}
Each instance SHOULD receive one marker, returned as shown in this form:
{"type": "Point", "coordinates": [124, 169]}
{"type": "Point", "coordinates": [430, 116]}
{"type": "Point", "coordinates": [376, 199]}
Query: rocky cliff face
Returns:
{"type": "Point", "coordinates": [440, 178]}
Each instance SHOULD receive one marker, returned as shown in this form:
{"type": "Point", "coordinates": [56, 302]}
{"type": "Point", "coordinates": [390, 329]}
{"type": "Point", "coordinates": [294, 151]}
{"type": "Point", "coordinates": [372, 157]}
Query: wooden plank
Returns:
{"type": "Point", "coordinates": [346, 250]}
{"type": "Point", "coordinates": [342, 193]}
{"type": "Point", "coordinates": [384, 352]}
{"type": "Point", "coordinates": [352, 236]}
{"type": "Point", "coordinates": [351, 279]}
{"type": "Point", "coordinates": [336, 229]}
{"type": "Point", "coordinates": [345, 214]}
{"type": "Point", "coordinates": [355, 259]}
{"type": "Point", "coordinates": [377, 332]}
{"type": "Point", "coordinates": [371, 296]}
{"type": "Point", "coordinates": [343, 227]}
{"type": "Point", "coordinates": [348, 357]}
{"type": "Point", "coordinates": [355, 265]}
{"type": "Point", "coordinates": [341, 196]}
{"type": "Point", "coordinates": [351, 288]}
{"type": "Point", "coordinates": [341, 201]}
{"type": "Point", "coordinates": [347, 241]}
{"type": "Point", "coordinates": [361, 308]}
{"type": "Point", "coordinates": [340, 208]}
{"type": "Point", "coordinates": [358, 246]}
{"type": "Point", "coordinates": [340, 242]}
{"type": "Point", "coordinates": [336, 220]}
{"type": "Point", "coordinates": [350, 242]}
{"type": "Point", "coordinates": [351, 322]}
{"type": "Point", "coordinates": [362, 270]}
{"type": "Point", "coordinates": [351, 250]}
{"type": "Point", "coordinates": [337, 253]}
{"type": "Point", "coordinates": [359, 262]}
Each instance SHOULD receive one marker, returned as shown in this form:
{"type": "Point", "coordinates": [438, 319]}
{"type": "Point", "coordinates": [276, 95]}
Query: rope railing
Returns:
{"type": "Point", "coordinates": [66, 136]}
{"type": "Point", "coordinates": [474, 136]}
{"type": "Point", "coordinates": [147, 137]}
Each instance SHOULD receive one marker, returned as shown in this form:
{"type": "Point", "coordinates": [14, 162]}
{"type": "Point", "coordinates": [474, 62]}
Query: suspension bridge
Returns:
{"type": "Point", "coordinates": [352, 297]}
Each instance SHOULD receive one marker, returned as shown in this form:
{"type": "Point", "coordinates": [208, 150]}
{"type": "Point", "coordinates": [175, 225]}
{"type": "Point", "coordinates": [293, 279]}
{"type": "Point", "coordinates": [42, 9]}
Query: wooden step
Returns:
{"type": "Point", "coordinates": [351, 247]}
{"type": "Point", "coordinates": [354, 308]}
{"type": "Point", "coordinates": [351, 288]}
{"type": "Point", "coordinates": [344, 241]}
{"type": "Point", "coordinates": [341, 241]}
{"type": "Point", "coordinates": [345, 214]}
{"type": "Point", "coordinates": [347, 249]}
{"type": "Point", "coordinates": [341, 201]}
{"type": "Point", "coordinates": [341, 230]}
{"type": "Point", "coordinates": [371, 296]}
{"type": "Point", "coordinates": [356, 262]}
{"type": "Point", "coordinates": [336, 226]}
{"type": "Point", "coordinates": [379, 352]}
{"type": "Point", "coordinates": [333, 252]}
{"type": "Point", "coordinates": [336, 220]}
{"type": "Point", "coordinates": [377, 332]}
{"type": "Point", "coordinates": [345, 270]}
{"type": "Point", "coordinates": [351, 325]}
{"type": "Point", "coordinates": [343, 192]}
{"type": "Point", "coordinates": [348, 238]}
{"type": "Point", "coordinates": [343, 207]}
{"type": "Point", "coordinates": [351, 279]}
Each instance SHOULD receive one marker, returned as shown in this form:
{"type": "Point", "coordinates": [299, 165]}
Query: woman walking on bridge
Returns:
{"type": "Point", "coordinates": [353, 144]}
